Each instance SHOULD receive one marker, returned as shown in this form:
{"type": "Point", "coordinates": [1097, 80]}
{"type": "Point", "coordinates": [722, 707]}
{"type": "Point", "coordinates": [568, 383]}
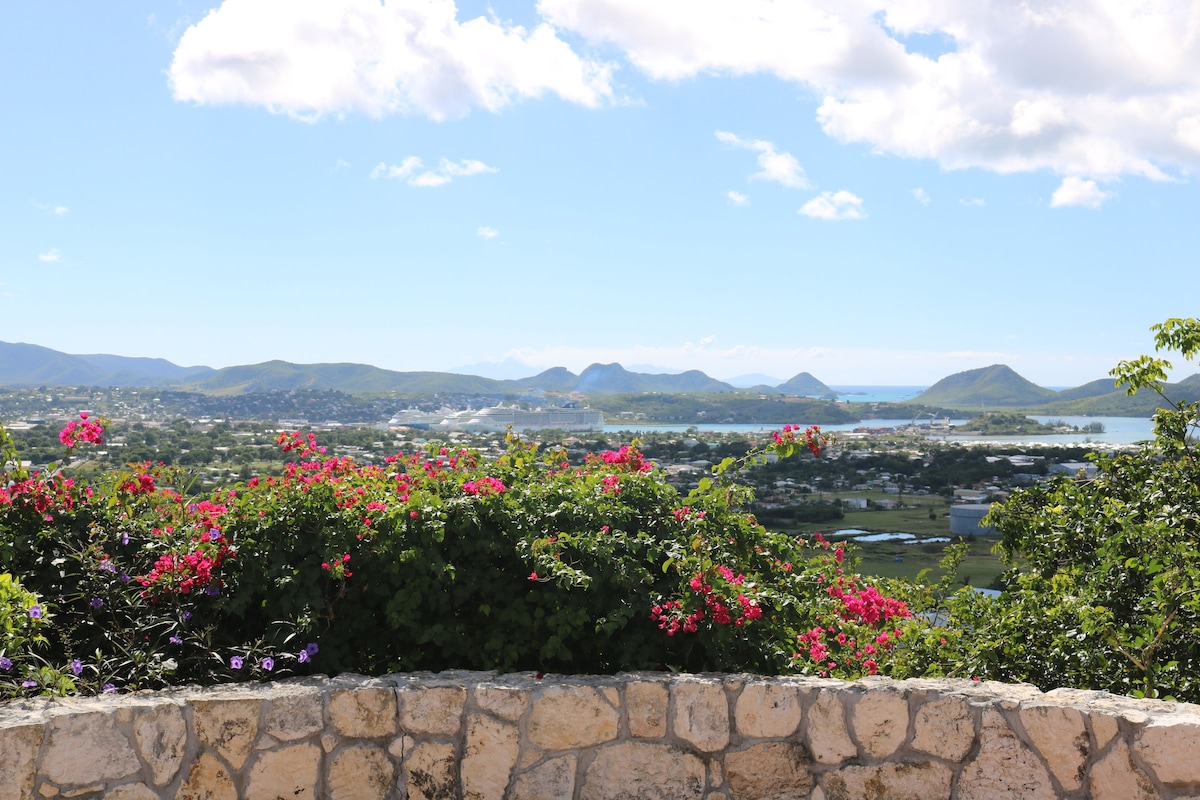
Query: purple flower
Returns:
{"type": "Point", "coordinates": [96, 602]}
{"type": "Point", "coordinates": [29, 684]}
{"type": "Point", "coordinates": [124, 538]}
{"type": "Point", "coordinates": [211, 590]}
{"type": "Point", "coordinates": [187, 615]}
{"type": "Point", "coordinates": [125, 578]}
{"type": "Point", "coordinates": [35, 612]}
{"type": "Point", "coordinates": [235, 662]}
{"type": "Point", "coordinates": [107, 566]}
{"type": "Point", "coordinates": [176, 640]}
{"type": "Point", "coordinates": [5, 662]}
{"type": "Point", "coordinates": [312, 649]}
{"type": "Point", "coordinates": [304, 657]}
{"type": "Point", "coordinates": [110, 689]}
{"type": "Point", "coordinates": [268, 663]}
{"type": "Point", "coordinates": [77, 666]}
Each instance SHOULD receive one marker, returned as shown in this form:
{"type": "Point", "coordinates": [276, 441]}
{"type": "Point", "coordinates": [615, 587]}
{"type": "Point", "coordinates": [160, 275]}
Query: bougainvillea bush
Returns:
{"type": "Point", "coordinates": [436, 560]}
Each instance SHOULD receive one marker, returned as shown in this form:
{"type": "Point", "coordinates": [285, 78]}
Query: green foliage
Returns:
{"type": "Point", "coordinates": [1103, 589]}
{"type": "Point", "coordinates": [1005, 425]}
{"type": "Point", "coordinates": [437, 560]}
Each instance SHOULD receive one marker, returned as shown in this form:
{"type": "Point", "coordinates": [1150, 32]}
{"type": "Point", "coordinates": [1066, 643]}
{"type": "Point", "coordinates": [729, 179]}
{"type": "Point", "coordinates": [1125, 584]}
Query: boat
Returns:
{"type": "Point", "coordinates": [570, 417]}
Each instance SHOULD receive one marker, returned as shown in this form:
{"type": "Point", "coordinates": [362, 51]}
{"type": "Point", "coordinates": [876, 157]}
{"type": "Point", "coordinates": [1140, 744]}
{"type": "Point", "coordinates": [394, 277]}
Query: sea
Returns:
{"type": "Point", "coordinates": [1117, 430]}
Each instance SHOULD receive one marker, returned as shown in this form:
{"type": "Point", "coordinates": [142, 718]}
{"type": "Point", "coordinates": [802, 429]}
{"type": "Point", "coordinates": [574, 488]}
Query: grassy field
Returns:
{"type": "Point", "coordinates": [980, 567]}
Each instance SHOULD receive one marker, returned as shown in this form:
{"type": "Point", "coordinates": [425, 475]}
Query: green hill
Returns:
{"type": "Point", "coordinates": [804, 385]}
{"type": "Point", "coordinates": [994, 386]}
{"type": "Point", "coordinates": [350, 378]}
{"type": "Point", "coordinates": [1116, 403]}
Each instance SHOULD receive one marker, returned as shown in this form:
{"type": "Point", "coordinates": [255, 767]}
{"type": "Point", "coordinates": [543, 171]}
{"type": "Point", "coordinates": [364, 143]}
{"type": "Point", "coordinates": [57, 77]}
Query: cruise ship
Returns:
{"type": "Point", "coordinates": [499, 418]}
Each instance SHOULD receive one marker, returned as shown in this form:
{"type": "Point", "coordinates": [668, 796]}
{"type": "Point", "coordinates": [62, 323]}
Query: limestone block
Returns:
{"type": "Point", "coordinates": [1170, 746]}
{"type": "Point", "coordinates": [944, 728]}
{"type": "Point", "coordinates": [880, 720]}
{"type": "Point", "coordinates": [646, 707]}
{"type": "Point", "coordinates": [643, 770]}
{"type": "Point", "coordinates": [432, 711]}
{"type": "Point", "coordinates": [1060, 735]}
{"type": "Point", "coordinates": [489, 756]}
{"type": "Point", "coordinates": [768, 771]}
{"type": "Point", "coordinates": [1004, 769]}
{"type": "Point", "coordinates": [19, 746]}
{"type": "Point", "coordinates": [1116, 777]}
{"type": "Point", "coordinates": [227, 726]}
{"type": "Point", "coordinates": [161, 735]}
{"type": "Point", "coordinates": [365, 712]}
{"type": "Point", "coordinates": [401, 745]}
{"type": "Point", "coordinates": [506, 702]}
{"type": "Point", "coordinates": [295, 715]}
{"type": "Point", "coordinates": [565, 717]}
{"type": "Point", "coordinates": [553, 779]}
{"type": "Point", "coordinates": [431, 771]}
{"type": "Point", "coordinates": [1104, 728]}
{"type": "Point", "coordinates": [924, 781]}
{"type": "Point", "coordinates": [360, 773]}
{"type": "Point", "coordinates": [767, 710]}
{"type": "Point", "coordinates": [828, 739]}
{"type": "Point", "coordinates": [289, 772]}
{"type": "Point", "coordinates": [701, 716]}
{"type": "Point", "coordinates": [716, 773]}
{"type": "Point", "coordinates": [84, 748]}
{"type": "Point", "coordinates": [208, 779]}
{"type": "Point", "coordinates": [131, 791]}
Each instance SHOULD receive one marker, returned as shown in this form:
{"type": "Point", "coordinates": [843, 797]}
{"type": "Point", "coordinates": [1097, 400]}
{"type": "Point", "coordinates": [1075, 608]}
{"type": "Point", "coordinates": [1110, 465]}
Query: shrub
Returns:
{"type": "Point", "coordinates": [437, 560]}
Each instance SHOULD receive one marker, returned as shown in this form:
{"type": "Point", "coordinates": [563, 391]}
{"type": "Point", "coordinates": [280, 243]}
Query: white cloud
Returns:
{"type": "Point", "coordinates": [737, 198]}
{"type": "Point", "coordinates": [974, 202]}
{"type": "Point", "coordinates": [1078, 192]}
{"type": "Point", "coordinates": [834, 205]}
{"type": "Point", "coordinates": [51, 256]}
{"type": "Point", "coordinates": [464, 168]}
{"type": "Point", "coordinates": [339, 165]}
{"type": "Point", "coordinates": [487, 232]}
{"type": "Point", "coordinates": [50, 208]}
{"type": "Point", "coordinates": [446, 171]}
{"type": "Point", "coordinates": [1080, 87]}
{"type": "Point", "coordinates": [309, 58]}
{"type": "Point", "coordinates": [779, 167]}
{"type": "Point", "coordinates": [921, 196]}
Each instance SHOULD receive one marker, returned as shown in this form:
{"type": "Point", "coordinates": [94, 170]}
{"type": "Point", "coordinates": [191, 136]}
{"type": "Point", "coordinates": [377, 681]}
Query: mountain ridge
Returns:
{"type": "Point", "coordinates": [26, 365]}
{"type": "Point", "coordinates": [994, 387]}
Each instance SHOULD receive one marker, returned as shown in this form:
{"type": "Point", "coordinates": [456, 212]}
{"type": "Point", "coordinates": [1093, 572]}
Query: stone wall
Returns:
{"type": "Point", "coordinates": [648, 735]}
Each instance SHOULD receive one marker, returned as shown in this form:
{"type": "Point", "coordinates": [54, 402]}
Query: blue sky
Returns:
{"type": "Point", "coordinates": [874, 192]}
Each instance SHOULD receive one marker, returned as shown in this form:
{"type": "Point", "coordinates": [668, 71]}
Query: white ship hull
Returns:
{"type": "Point", "coordinates": [501, 418]}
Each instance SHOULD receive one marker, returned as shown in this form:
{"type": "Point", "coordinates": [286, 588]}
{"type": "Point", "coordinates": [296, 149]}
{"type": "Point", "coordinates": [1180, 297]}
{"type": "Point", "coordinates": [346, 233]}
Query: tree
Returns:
{"type": "Point", "coordinates": [1103, 589]}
